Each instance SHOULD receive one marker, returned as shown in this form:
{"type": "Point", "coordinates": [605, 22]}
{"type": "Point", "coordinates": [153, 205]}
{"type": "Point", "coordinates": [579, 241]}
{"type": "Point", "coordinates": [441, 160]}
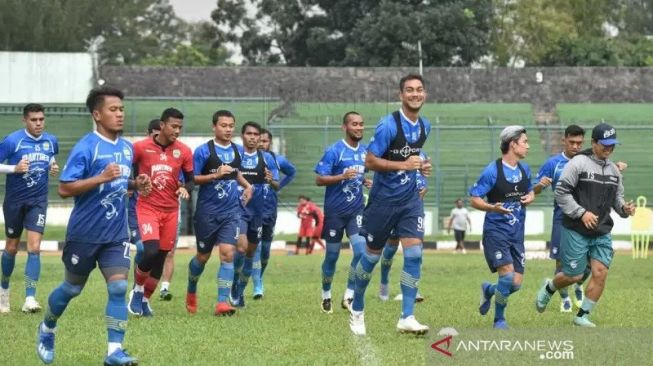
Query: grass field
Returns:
{"type": "Point", "coordinates": [287, 327]}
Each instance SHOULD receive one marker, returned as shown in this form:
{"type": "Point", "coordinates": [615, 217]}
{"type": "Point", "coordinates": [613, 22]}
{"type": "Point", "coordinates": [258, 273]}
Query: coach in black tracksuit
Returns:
{"type": "Point", "coordinates": [589, 187]}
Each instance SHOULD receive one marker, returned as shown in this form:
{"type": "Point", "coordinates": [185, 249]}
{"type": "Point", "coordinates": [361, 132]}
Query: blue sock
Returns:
{"type": "Point", "coordinates": [248, 263]}
{"type": "Point", "coordinates": [563, 291]}
{"type": "Point", "coordinates": [58, 301]}
{"type": "Point", "coordinates": [358, 245]}
{"type": "Point", "coordinates": [8, 264]}
{"type": "Point", "coordinates": [239, 259]}
{"type": "Point", "coordinates": [195, 269]}
{"type": "Point", "coordinates": [501, 295]}
{"type": "Point", "coordinates": [363, 275]}
{"type": "Point", "coordinates": [489, 291]}
{"type": "Point", "coordinates": [387, 255]}
{"type": "Point", "coordinates": [329, 264]}
{"type": "Point", "coordinates": [32, 273]}
{"type": "Point", "coordinates": [225, 280]}
{"type": "Point", "coordinates": [116, 311]}
{"type": "Point", "coordinates": [410, 276]}
{"type": "Point", "coordinates": [265, 254]}
{"type": "Point", "coordinates": [514, 288]}
{"type": "Point", "coordinates": [256, 268]}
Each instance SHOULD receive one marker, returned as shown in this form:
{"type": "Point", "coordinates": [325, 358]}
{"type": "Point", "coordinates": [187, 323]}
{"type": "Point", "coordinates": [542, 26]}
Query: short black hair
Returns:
{"type": "Point", "coordinates": [32, 108]}
{"type": "Point", "coordinates": [301, 196]}
{"type": "Point", "coordinates": [574, 130]}
{"type": "Point", "coordinates": [222, 113]}
{"type": "Point", "coordinates": [265, 131]}
{"type": "Point", "coordinates": [96, 96]}
{"type": "Point", "coordinates": [154, 125]}
{"type": "Point", "coordinates": [171, 113]}
{"type": "Point", "coordinates": [505, 145]}
{"type": "Point", "coordinates": [344, 118]}
{"type": "Point", "coordinates": [403, 80]}
{"type": "Point", "coordinates": [250, 124]}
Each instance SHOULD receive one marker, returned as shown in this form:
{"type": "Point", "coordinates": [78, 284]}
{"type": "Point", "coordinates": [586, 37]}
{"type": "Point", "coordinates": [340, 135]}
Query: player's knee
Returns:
{"type": "Point", "coordinates": [70, 289]}
{"type": "Point", "coordinates": [358, 243]}
{"type": "Point", "coordinates": [413, 251]}
{"type": "Point", "coordinates": [600, 273]}
{"type": "Point", "coordinates": [117, 288]}
{"type": "Point", "coordinates": [11, 248]}
{"type": "Point", "coordinates": [150, 251]}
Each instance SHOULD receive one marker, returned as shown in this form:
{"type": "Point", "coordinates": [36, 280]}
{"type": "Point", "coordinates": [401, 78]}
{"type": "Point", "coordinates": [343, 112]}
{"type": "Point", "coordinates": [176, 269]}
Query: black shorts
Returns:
{"type": "Point", "coordinates": [459, 235]}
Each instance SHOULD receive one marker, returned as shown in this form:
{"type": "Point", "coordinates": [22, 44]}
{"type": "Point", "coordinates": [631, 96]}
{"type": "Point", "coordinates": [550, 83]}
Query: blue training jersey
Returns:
{"type": "Point", "coordinates": [262, 191]}
{"type": "Point", "coordinates": [99, 215]}
{"type": "Point", "coordinates": [345, 197]}
{"type": "Point", "coordinates": [284, 166]}
{"type": "Point", "coordinates": [32, 185]}
{"type": "Point", "coordinates": [507, 223]}
{"type": "Point", "coordinates": [219, 197]}
{"type": "Point", "coordinates": [396, 186]}
{"type": "Point", "coordinates": [552, 168]}
{"type": "Point", "coordinates": [421, 180]}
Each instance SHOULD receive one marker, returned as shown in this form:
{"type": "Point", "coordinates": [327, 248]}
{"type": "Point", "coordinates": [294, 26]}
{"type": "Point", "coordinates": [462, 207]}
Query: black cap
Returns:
{"type": "Point", "coordinates": [605, 134]}
{"type": "Point", "coordinates": [155, 125]}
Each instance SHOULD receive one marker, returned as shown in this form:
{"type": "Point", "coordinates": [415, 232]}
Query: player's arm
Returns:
{"type": "Point", "coordinates": [183, 191]}
{"type": "Point", "coordinates": [21, 167]}
{"type": "Point", "coordinates": [564, 190]}
{"type": "Point", "coordinates": [621, 207]}
{"type": "Point", "coordinates": [271, 173]}
{"type": "Point", "coordinates": [288, 170]}
{"type": "Point", "coordinates": [480, 204]}
{"type": "Point", "coordinates": [543, 178]}
{"type": "Point", "coordinates": [378, 164]}
{"type": "Point", "coordinates": [248, 189]}
{"type": "Point", "coordinates": [81, 186]}
{"type": "Point", "coordinates": [449, 224]}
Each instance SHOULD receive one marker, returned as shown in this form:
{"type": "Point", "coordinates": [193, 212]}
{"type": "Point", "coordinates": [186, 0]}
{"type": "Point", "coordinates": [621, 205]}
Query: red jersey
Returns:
{"type": "Point", "coordinates": [164, 166]}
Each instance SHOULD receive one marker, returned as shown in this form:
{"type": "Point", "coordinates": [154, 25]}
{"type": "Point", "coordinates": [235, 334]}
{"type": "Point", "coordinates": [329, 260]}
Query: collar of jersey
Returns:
{"type": "Point", "coordinates": [349, 146]}
{"type": "Point", "coordinates": [33, 137]}
{"type": "Point", "coordinates": [401, 111]}
{"type": "Point", "coordinates": [113, 142]}
{"type": "Point", "coordinates": [222, 146]}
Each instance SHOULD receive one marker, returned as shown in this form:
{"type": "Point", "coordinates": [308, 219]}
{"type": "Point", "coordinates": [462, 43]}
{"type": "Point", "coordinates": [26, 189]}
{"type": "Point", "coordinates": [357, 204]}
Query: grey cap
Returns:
{"type": "Point", "coordinates": [511, 132]}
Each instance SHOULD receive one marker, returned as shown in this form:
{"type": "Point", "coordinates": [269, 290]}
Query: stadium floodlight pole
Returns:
{"type": "Point", "coordinates": [410, 46]}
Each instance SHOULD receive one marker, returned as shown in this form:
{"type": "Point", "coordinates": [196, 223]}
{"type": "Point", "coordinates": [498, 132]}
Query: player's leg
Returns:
{"type": "Point", "coordinates": [333, 230]}
{"type": "Point", "coordinates": [239, 258]}
{"type": "Point", "coordinates": [261, 255]}
{"type": "Point", "coordinates": [387, 257]}
{"type": "Point", "coordinates": [79, 260]}
{"type": "Point", "coordinates": [35, 218]}
{"type": "Point", "coordinates": [254, 230]}
{"type": "Point", "coordinates": [14, 217]}
{"type": "Point", "coordinates": [357, 243]}
{"type": "Point", "coordinates": [266, 244]}
{"type": "Point", "coordinates": [166, 277]}
{"type": "Point", "coordinates": [554, 253]}
{"type": "Point", "coordinates": [257, 285]}
{"type": "Point", "coordinates": [114, 263]}
{"type": "Point", "coordinates": [206, 230]}
{"type": "Point", "coordinates": [601, 254]}
{"type": "Point", "coordinates": [227, 237]}
{"type": "Point", "coordinates": [150, 224]}
{"type": "Point", "coordinates": [496, 249]}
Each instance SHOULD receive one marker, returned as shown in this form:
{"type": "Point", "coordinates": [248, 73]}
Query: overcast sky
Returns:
{"type": "Point", "coordinates": [194, 9]}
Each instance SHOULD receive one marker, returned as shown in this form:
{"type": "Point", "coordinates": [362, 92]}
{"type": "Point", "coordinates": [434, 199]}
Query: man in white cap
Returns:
{"type": "Point", "coordinates": [506, 185]}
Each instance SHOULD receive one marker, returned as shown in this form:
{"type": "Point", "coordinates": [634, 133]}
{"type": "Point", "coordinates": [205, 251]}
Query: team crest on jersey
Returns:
{"type": "Point", "coordinates": [370, 238]}
{"type": "Point", "coordinates": [201, 244]}
{"type": "Point", "coordinates": [332, 233]}
{"type": "Point", "coordinates": [46, 146]}
{"type": "Point", "coordinates": [74, 259]}
{"type": "Point", "coordinates": [176, 153]}
{"type": "Point", "coordinates": [127, 152]}
{"type": "Point", "coordinates": [498, 255]}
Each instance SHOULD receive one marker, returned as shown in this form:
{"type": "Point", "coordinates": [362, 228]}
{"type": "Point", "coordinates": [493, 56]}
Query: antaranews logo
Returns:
{"type": "Point", "coordinates": [444, 344]}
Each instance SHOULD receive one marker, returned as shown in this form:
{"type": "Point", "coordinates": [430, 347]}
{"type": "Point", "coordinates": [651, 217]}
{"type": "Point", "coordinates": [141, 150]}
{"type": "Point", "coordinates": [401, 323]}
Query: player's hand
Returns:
{"type": "Point", "coordinates": [422, 192]}
{"type": "Point", "coordinates": [545, 182]}
{"type": "Point", "coordinates": [268, 176]}
{"type": "Point", "coordinates": [629, 208]}
{"type": "Point", "coordinates": [590, 220]}
{"type": "Point", "coordinates": [143, 184]}
{"type": "Point", "coordinates": [182, 193]}
{"type": "Point", "coordinates": [111, 172]}
{"type": "Point", "coordinates": [621, 166]}
{"type": "Point", "coordinates": [247, 194]}
{"type": "Point", "coordinates": [426, 168]}
{"type": "Point", "coordinates": [413, 163]}
{"type": "Point", "coordinates": [54, 169]}
{"type": "Point", "coordinates": [22, 166]}
{"type": "Point", "coordinates": [528, 198]}
{"type": "Point", "coordinates": [498, 208]}
{"type": "Point", "coordinates": [350, 174]}
{"type": "Point", "coordinates": [223, 170]}
{"type": "Point", "coordinates": [367, 183]}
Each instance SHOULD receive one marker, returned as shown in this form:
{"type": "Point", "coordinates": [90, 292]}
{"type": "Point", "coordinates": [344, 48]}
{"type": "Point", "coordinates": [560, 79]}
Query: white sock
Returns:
{"type": "Point", "coordinates": [113, 346]}
{"type": "Point", "coordinates": [349, 294]}
{"type": "Point", "coordinates": [326, 294]}
{"type": "Point", "coordinates": [139, 288]}
{"type": "Point", "coordinates": [165, 286]}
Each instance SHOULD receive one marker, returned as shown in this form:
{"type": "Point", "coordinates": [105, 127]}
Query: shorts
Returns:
{"type": "Point", "coordinates": [380, 219]}
{"type": "Point", "coordinates": [158, 225]}
{"type": "Point", "coordinates": [211, 230]}
{"type": "Point", "coordinates": [501, 249]}
{"type": "Point", "coordinates": [28, 215]}
{"type": "Point", "coordinates": [554, 250]}
{"type": "Point", "coordinates": [252, 227]}
{"type": "Point", "coordinates": [459, 235]}
{"type": "Point", "coordinates": [306, 230]}
{"type": "Point", "coordinates": [576, 249]}
{"type": "Point", "coordinates": [336, 226]}
{"type": "Point", "coordinates": [81, 258]}
{"type": "Point", "coordinates": [267, 232]}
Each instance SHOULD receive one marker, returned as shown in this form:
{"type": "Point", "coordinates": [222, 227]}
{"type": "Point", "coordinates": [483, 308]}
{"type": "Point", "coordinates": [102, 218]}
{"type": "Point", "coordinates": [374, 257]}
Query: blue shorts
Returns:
{"type": "Point", "coordinates": [212, 230]}
{"type": "Point", "coordinates": [81, 258]}
{"type": "Point", "coordinates": [252, 226]}
{"type": "Point", "coordinates": [267, 232]}
{"type": "Point", "coordinates": [28, 215]}
{"type": "Point", "coordinates": [335, 226]}
{"type": "Point", "coordinates": [554, 250]}
{"type": "Point", "coordinates": [501, 249]}
{"type": "Point", "coordinates": [380, 219]}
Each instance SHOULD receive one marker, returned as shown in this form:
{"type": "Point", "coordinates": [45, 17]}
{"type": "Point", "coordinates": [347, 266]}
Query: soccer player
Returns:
{"type": "Point", "coordinates": [318, 216]}
{"type": "Point", "coordinates": [342, 170]}
{"type": "Point", "coordinates": [459, 219]}
{"type": "Point", "coordinates": [506, 183]}
{"type": "Point", "coordinates": [590, 186]}
{"type": "Point", "coordinates": [304, 209]}
{"type": "Point", "coordinates": [259, 169]}
{"type": "Point", "coordinates": [29, 153]}
{"type": "Point", "coordinates": [218, 210]}
{"type": "Point", "coordinates": [394, 202]}
{"type": "Point", "coordinates": [262, 255]}
{"type": "Point", "coordinates": [97, 175]}
{"type": "Point", "coordinates": [163, 158]}
{"type": "Point", "coordinates": [392, 245]}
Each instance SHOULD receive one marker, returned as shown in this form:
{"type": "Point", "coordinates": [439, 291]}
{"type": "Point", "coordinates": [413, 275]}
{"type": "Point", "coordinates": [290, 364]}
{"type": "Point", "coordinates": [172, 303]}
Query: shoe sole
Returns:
{"type": "Point", "coordinates": [419, 299]}
{"type": "Point", "coordinates": [134, 363]}
{"type": "Point", "coordinates": [166, 297]}
{"type": "Point", "coordinates": [330, 311]}
{"type": "Point", "coordinates": [258, 296]}
{"type": "Point", "coordinates": [226, 313]}
{"type": "Point", "coordinates": [31, 311]}
{"type": "Point", "coordinates": [420, 332]}
{"type": "Point", "coordinates": [191, 311]}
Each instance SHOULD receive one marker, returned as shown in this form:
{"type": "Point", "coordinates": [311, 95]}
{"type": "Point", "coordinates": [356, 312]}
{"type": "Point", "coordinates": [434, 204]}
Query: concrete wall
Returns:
{"type": "Point", "coordinates": [348, 84]}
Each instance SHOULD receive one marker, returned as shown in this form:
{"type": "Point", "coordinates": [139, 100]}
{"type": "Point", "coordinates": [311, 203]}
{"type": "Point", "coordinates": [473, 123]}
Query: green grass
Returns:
{"type": "Point", "coordinates": [287, 327]}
